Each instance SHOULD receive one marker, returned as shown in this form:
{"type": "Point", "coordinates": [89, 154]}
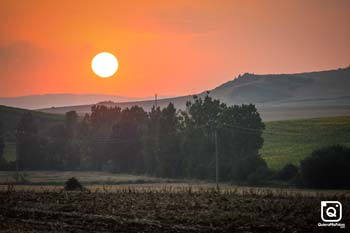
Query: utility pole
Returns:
{"type": "Point", "coordinates": [216, 159]}
{"type": "Point", "coordinates": [156, 100]}
{"type": "Point", "coordinates": [17, 156]}
{"type": "Point", "coordinates": [157, 149]}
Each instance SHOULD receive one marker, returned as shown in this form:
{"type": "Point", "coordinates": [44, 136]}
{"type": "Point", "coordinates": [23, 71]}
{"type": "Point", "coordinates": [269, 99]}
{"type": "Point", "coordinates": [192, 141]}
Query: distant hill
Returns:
{"type": "Point", "coordinates": [277, 96]}
{"type": "Point", "coordinates": [276, 89]}
{"type": "Point", "coordinates": [61, 100]}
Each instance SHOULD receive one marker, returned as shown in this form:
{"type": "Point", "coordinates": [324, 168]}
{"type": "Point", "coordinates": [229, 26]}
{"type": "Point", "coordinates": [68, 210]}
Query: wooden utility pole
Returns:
{"type": "Point", "coordinates": [156, 100]}
{"type": "Point", "coordinates": [17, 156]}
{"type": "Point", "coordinates": [216, 159]}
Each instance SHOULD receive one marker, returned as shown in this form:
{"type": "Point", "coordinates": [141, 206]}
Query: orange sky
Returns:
{"type": "Point", "coordinates": [165, 47]}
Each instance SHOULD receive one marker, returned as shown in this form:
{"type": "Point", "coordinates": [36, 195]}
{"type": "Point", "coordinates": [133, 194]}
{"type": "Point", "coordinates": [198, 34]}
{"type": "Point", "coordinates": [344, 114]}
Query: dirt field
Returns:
{"type": "Point", "coordinates": [165, 209]}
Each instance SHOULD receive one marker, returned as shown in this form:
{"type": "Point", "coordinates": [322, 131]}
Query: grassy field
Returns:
{"type": "Point", "coordinates": [162, 210]}
{"type": "Point", "coordinates": [291, 141]}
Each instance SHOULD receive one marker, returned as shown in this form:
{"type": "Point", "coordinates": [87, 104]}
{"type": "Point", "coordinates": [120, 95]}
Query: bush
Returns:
{"type": "Point", "coordinates": [21, 178]}
{"type": "Point", "coordinates": [327, 168]}
{"type": "Point", "coordinates": [259, 177]}
{"type": "Point", "coordinates": [73, 184]}
{"type": "Point", "coordinates": [288, 172]}
{"type": "Point", "coordinates": [247, 166]}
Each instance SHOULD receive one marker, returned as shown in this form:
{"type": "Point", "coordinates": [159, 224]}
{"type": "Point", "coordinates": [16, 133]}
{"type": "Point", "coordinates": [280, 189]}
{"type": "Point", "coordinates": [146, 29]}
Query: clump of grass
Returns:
{"type": "Point", "coordinates": [73, 184]}
{"type": "Point", "coordinates": [21, 178]}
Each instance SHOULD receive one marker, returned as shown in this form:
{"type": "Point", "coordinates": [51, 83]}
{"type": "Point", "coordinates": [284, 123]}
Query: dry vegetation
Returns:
{"type": "Point", "coordinates": [163, 208]}
{"type": "Point", "coordinates": [90, 177]}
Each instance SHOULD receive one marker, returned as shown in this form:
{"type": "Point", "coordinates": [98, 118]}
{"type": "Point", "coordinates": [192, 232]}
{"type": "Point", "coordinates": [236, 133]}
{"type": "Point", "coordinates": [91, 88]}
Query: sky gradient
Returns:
{"type": "Point", "coordinates": [165, 47]}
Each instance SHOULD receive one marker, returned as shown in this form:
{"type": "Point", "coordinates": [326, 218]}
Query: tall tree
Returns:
{"type": "Point", "coordinates": [239, 133]}
{"type": "Point", "coordinates": [71, 122]}
{"type": "Point", "coordinates": [126, 147]}
{"type": "Point", "coordinates": [170, 159]}
{"type": "Point", "coordinates": [30, 149]}
{"type": "Point", "coordinates": [240, 138]}
{"type": "Point", "coordinates": [151, 142]}
{"type": "Point", "coordinates": [200, 122]}
{"type": "Point", "coordinates": [72, 153]}
{"type": "Point", "coordinates": [2, 140]}
{"type": "Point", "coordinates": [57, 146]}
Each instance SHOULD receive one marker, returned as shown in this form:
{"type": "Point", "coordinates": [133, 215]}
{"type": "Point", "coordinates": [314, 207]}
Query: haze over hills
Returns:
{"type": "Point", "coordinates": [61, 100]}
{"type": "Point", "coordinates": [277, 96]}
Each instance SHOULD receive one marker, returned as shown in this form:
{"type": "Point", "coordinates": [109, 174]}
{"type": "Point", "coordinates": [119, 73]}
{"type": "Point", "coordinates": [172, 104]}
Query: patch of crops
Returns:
{"type": "Point", "coordinates": [143, 209]}
{"type": "Point", "coordinates": [292, 140]}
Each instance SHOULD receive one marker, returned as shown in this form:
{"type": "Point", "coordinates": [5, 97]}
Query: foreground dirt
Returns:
{"type": "Point", "coordinates": [155, 211]}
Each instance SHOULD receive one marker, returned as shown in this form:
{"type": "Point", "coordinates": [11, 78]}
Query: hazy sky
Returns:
{"type": "Point", "coordinates": [165, 47]}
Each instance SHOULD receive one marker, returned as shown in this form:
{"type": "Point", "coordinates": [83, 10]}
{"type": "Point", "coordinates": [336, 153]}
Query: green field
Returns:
{"type": "Point", "coordinates": [291, 141]}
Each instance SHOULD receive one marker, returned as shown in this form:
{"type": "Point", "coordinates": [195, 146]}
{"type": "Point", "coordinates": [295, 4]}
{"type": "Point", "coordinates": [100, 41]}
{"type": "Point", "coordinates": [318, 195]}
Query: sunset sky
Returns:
{"type": "Point", "coordinates": [165, 47]}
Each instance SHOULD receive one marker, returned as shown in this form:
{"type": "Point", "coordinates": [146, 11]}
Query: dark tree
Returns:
{"type": "Point", "coordinates": [239, 132]}
{"type": "Point", "coordinates": [56, 147]}
{"type": "Point", "coordinates": [170, 159]}
{"type": "Point", "coordinates": [3, 162]}
{"type": "Point", "coordinates": [240, 138]}
{"type": "Point", "coordinates": [30, 147]}
{"type": "Point", "coordinates": [199, 122]}
{"type": "Point", "coordinates": [71, 122]}
{"type": "Point", "coordinates": [2, 141]}
{"type": "Point", "coordinates": [288, 172]}
{"type": "Point", "coordinates": [125, 148]}
{"type": "Point", "coordinates": [151, 142]}
{"type": "Point", "coordinates": [72, 153]}
{"type": "Point", "coordinates": [327, 168]}
{"type": "Point", "coordinates": [73, 184]}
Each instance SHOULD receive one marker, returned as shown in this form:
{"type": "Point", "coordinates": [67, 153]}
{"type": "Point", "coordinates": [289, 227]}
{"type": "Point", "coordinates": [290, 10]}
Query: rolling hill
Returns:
{"type": "Point", "coordinates": [61, 100]}
{"type": "Point", "coordinates": [277, 89]}
{"type": "Point", "coordinates": [10, 117]}
{"type": "Point", "coordinates": [277, 96]}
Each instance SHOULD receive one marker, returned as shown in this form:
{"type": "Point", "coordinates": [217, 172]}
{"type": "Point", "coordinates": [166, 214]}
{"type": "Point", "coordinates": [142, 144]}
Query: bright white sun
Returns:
{"type": "Point", "coordinates": [104, 64]}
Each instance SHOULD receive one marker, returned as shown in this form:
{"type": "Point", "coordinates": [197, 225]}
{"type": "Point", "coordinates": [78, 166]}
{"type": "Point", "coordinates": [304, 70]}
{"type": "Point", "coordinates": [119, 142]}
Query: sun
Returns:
{"type": "Point", "coordinates": [104, 64]}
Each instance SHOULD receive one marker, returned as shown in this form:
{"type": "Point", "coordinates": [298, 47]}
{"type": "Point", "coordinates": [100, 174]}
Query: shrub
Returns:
{"type": "Point", "coordinates": [21, 178]}
{"type": "Point", "coordinates": [327, 168]}
{"type": "Point", "coordinates": [259, 177]}
{"type": "Point", "coordinates": [247, 166]}
{"type": "Point", "coordinates": [73, 184]}
{"type": "Point", "coordinates": [288, 172]}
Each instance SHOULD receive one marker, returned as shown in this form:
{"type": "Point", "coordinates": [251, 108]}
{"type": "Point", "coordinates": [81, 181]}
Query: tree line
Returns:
{"type": "Point", "coordinates": [163, 142]}
{"type": "Point", "coordinates": [169, 143]}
